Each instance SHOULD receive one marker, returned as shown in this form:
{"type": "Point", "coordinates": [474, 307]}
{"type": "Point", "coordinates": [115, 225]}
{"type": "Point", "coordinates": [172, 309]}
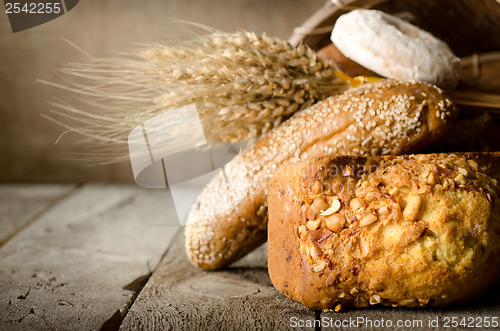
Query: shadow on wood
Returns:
{"type": "Point", "coordinates": [180, 296]}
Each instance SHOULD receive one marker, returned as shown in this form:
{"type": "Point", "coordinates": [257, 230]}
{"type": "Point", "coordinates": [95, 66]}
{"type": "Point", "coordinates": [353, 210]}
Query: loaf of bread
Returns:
{"type": "Point", "coordinates": [413, 230]}
{"type": "Point", "coordinates": [229, 218]}
{"type": "Point", "coordinates": [394, 48]}
{"type": "Point", "coordinates": [346, 65]}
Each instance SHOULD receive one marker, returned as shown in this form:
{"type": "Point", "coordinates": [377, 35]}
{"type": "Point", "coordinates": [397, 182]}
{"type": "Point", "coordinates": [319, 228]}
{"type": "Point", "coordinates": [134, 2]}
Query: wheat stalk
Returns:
{"type": "Point", "coordinates": [243, 84]}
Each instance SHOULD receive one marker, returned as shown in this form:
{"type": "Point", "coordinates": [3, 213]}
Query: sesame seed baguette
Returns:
{"type": "Point", "coordinates": [229, 220]}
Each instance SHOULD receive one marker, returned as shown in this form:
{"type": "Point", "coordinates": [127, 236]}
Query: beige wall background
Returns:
{"type": "Point", "coordinates": [100, 27]}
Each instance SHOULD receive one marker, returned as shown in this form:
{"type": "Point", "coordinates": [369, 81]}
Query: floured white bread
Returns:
{"type": "Point", "coordinates": [395, 49]}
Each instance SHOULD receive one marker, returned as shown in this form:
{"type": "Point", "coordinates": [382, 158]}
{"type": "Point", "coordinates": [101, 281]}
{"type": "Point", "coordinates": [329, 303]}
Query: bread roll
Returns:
{"type": "Point", "coordinates": [414, 230]}
{"type": "Point", "coordinates": [394, 48]}
{"type": "Point", "coordinates": [228, 220]}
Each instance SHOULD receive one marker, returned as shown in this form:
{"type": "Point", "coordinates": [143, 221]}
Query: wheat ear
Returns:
{"type": "Point", "coordinates": [243, 84]}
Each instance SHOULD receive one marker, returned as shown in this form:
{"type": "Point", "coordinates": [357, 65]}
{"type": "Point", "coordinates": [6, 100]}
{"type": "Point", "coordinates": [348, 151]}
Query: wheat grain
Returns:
{"type": "Point", "coordinates": [243, 84]}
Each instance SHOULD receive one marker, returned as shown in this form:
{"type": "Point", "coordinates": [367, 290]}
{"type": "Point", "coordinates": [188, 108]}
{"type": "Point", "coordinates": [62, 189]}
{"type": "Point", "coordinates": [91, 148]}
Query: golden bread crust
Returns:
{"type": "Point", "coordinates": [386, 117]}
{"type": "Point", "coordinates": [414, 230]}
{"type": "Point", "coordinates": [345, 64]}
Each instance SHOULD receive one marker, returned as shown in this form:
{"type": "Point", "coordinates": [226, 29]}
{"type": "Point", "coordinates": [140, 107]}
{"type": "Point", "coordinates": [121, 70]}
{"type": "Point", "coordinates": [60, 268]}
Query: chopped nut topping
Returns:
{"type": "Point", "coordinates": [423, 301]}
{"type": "Point", "coordinates": [383, 211]}
{"type": "Point", "coordinates": [315, 252]}
{"type": "Point", "coordinates": [354, 291]}
{"type": "Point", "coordinates": [333, 208]}
{"type": "Point", "coordinates": [406, 302]}
{"type": "Point", "coordinates": [319, 203]}
{"type": "Point", "coordinates": [447, 183]}
{"type": "Point", "coordinates": [356, 203]}
{"type": "Point", "coordinates": [412, 207]}
{"type": "Point", "coordinates": [472, 164]}
{"type": "Point", "coordinates": [365, 184]}
{"type": "Point", "coordinates": [375, 299]}
{"type": "Point", "coordinates": [460, 179]}
{"type": "Point", "coordinates": [373, 196]}
{"type": "Point", "coordinates": [431, 179]}
{"type": "Point", "coordinates": [423, 189]}
{"type": "Point", "coordinates": [422, 157]}
{"type": "Point", "coordinates": [342, 295]}
{"type": "Point", "coordinates": [302, 230]}
{"type": "Point", "coordinates": [307, 200]}
{"type": "Point", "coordinates": [463, 171]}
{"type": "Point", "coordinates": [313, 225]}
{"type": "Point", "coordinates": [393, 191]}
{"type": "Point", "coordinates": [338, 307]}
{"type": "Point", "coordinates": [425, 175]}
{"type": "Point", "coordinates": [317, 206]}
{"type": "Point", "coordinates": [335, 222]}
{"type": "Point", "coordinates": [368, 219]}
{"type": "Point", "coordinates": [303, 212]}
{"type": "Point", "coordinates": [320, 266]}
{"type": "Point", "coordinates": [317, 187]}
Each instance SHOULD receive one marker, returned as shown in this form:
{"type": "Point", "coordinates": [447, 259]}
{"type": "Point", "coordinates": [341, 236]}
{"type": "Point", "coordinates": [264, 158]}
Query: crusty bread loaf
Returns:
{"type": "Point", "coordinates": [347, 66]}
{"type": "Point", "coordinates": [386, 117]}
{"type": "Point", "coordinates": [413, 230]}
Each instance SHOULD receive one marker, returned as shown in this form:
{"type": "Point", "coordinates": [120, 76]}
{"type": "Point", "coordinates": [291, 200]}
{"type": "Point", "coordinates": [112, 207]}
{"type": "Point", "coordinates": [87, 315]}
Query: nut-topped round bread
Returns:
{"type": "Point", "coordinates": [414, 230]}
{"type": "Point", "coordinates": [229, 219]}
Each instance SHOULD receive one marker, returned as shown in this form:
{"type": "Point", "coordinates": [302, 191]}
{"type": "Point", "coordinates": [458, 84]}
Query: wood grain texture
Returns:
{"type": "Point", "coordinates": [473, 313]}
{"type": "Point", "coordinates": [180, 296]}
{"type": "Point", "coordinates": [80, 265]}
{"type": "Point", "coordinates": [20, 204]}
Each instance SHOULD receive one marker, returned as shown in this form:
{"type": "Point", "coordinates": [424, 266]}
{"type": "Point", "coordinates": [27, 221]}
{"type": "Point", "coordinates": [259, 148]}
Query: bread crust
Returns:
{"type": "Point", "coordinates": [346, 65]}
{"type": "Point", "coordinates": [419, 230]}
{"type": "Point", "coordinates": [386, 117]}
{"type": "Point", "coordinates": [394, 48]}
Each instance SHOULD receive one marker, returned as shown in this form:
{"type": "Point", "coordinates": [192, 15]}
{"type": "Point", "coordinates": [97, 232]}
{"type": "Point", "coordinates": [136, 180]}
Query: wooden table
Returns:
{"type": "Point", "coordinates": [112, 256]}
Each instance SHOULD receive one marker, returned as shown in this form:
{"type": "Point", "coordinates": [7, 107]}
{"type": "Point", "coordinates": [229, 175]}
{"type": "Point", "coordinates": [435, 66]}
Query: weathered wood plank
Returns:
{"type": "Point", "coordinates": [180, 296]}
{"type": "Point", "coordinates": [79, 265]}
{"type": "Point", "coordinates": [473, 314]}
{"type": "Point", "coordinates": [21, 204]}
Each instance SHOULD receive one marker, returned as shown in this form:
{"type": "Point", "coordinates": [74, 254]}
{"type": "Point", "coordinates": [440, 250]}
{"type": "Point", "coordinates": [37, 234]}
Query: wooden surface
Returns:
{"type": "Point", "coordinates": [21, 204]}
{"type": "Point", "coordinates": [111, 257]}
{"type": "Point", "coordinates": [80, 263]}
{"type": "Point", "coordinates": [476, 310]}
{"type": "Point", "coordinates": [180, 296]}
